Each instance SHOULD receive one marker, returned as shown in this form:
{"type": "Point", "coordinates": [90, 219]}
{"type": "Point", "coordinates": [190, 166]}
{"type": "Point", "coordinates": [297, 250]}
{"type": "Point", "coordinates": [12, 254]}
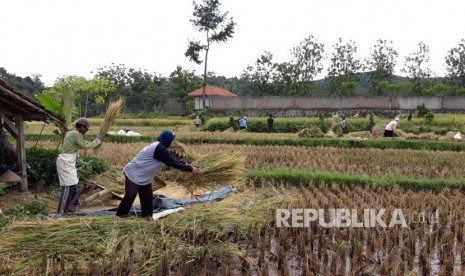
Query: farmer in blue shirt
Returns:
{"type": "Point", "coordinates": [243, 122]}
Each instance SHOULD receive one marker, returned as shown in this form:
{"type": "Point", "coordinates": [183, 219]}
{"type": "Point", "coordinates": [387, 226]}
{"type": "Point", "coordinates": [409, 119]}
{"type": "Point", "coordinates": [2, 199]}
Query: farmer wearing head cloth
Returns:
{"type": "Point", "coordinates": [141, 171]}
{"type": "Point", "coordinates": [66, 161]}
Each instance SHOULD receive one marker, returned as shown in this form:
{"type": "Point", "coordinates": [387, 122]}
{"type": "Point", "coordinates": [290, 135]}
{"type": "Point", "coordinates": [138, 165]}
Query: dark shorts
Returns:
{"type": "Point", "coordinates": [388, 133]}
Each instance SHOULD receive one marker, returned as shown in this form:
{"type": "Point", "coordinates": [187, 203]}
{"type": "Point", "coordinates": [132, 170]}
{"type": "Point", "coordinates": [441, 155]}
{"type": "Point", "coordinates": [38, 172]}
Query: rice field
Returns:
{"type": "Point", "coordinates": [247, 234]}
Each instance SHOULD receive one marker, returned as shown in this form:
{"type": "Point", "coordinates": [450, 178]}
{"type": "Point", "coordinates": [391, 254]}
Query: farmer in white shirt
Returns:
{"type": "Point", "coordinates": [389, 130]}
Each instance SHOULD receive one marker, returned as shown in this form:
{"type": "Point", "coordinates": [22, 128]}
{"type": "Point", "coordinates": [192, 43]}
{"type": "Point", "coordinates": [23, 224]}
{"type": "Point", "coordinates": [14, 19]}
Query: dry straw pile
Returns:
{"type": "Point", "coordinates": [112, 113]}
{"type": "Point", "coordinates": [310, 133]}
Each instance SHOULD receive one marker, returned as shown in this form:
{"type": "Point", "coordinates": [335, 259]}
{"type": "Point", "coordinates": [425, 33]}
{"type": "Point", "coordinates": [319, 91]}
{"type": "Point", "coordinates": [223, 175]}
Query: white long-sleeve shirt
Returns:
{"type": "Point", "coordinates": [392, 125]}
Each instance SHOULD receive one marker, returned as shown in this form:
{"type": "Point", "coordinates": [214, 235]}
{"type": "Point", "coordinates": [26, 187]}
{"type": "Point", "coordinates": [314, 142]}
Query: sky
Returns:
{"type": "Point", "coordinates": [55, 38]}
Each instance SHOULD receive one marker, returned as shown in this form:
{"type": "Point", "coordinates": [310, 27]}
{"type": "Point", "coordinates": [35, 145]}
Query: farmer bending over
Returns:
{"type": "Point", "coordinates": [66, 162]}
{"type": "Point", "coordinates": [389, 130]}
{"type": "Point", "coordinates": [141, 171]}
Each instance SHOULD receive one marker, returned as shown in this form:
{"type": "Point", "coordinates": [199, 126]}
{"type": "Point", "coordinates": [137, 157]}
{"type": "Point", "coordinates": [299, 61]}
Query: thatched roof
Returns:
{"type": "Point", "coordinates": [14, 102]}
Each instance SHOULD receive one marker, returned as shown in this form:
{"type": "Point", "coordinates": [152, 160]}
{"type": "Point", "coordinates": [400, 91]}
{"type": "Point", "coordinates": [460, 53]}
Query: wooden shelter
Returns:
{"type": "Point", "coordinates": [15, 108]}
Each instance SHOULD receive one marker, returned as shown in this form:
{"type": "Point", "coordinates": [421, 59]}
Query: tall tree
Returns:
{"type": "Point", "coordinates": [262, 75]}
{"type": "Point", "coordinates": [308, 58]}
{"type": "Point", "coordinates": [416, 67]}
{"type": "Point", "coordinates": [381, 65]}
{"type": "Point", "coordinates": [217, 28]}
{"type": "Point", "coordinates": [29, 85]}
{"type": "Point", "coordinates": [455, 64]}
{"type": "Point", "coordinates": [95, 91]}
{"type": "Point", "coordinates": [344, 66]}
{"type": "Point", "coordinates": [181, 82]}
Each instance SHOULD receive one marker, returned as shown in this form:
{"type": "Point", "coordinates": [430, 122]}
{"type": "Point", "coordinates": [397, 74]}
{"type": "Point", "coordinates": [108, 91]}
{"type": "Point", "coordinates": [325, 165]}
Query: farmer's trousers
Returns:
{"type": "Point", "coordinates": [131, 190]}
{"type": "Point", "coordinates": [67, 194]}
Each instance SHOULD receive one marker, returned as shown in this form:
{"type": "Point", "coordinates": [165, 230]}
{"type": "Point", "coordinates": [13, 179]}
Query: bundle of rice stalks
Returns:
{"type": "Point", "coordinates": [377, 131]}
{"type": "Point", "coordinates": [181, 152]}
{"type": "Point", "coordinates": [110, 116]}
{"type": "Point", "coordinates": [216, 170]}
{"type": "Point", "coordinates": [310, 133]}
{"type": "Point", "coordinates": [231, 129]}
{"type": "Point", "coordinates": [359, 134]}
{"type": "Point", "coordinates": [337, 129]}
{"type": "Point", "coordinates": [400, 133]}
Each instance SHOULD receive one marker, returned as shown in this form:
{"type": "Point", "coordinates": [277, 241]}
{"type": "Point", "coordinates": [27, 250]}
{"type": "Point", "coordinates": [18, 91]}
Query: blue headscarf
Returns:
{"type": "Point", "coordinates": [165, 138]}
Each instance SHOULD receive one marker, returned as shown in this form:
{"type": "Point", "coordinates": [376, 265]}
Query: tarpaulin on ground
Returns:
{"type": "Point", "coordinates": [160, 204]}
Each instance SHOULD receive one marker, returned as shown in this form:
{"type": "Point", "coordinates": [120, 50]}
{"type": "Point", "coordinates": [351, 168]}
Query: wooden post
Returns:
{"type": "Point", "coordinates": [21, 152]}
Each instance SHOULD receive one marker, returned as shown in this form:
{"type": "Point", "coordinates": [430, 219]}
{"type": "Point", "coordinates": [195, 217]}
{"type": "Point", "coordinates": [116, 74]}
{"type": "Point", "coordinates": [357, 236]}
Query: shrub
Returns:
{"type": "Point", "coordinates": [422, 110]}
{"type": "Point", "coordinates": [42, 165]}
{"type": "Point", "coordinates": [371, 122]}
{"type": "Point", "coordinates": [460, 91]}
{"type": "Point", "coordinates": [322, 124]}
{"type": "Point", "coordinates": [22, 210]}
{"type": "Point", "coordinates": [429, 117]}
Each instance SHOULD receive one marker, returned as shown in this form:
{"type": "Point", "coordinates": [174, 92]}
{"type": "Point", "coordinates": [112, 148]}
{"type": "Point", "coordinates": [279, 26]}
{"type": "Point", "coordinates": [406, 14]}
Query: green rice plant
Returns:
{"type": "Point", "coordinates": [305, 177]}
{"type": "Point", "coordinates": [241, 139]}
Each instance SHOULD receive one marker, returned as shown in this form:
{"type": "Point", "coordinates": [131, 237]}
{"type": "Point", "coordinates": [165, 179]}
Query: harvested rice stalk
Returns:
{"type": "Point", "coordinates": [110, 116]}
{"type": "Point", "coordinates": [215, 170]}
{"type": "Point", "coordinates": [310, 133]}
{"type": "Point", "coordinates": [181, 152]}
{"type": "Point", "coordinates": [400, 133]}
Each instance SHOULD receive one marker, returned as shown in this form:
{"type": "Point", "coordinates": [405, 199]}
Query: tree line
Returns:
{"type": "Point", "coordinates": [346, 75]}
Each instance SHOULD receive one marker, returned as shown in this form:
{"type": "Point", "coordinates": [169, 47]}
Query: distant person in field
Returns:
{"type": "Point", "coordinates": [409, 117]}
{"type": "Point", "coordinates": [141, 171]}
{"type": "Point", "coordinates": [66, 162]}
{"type": "Point", "coordinates": [243, 123]}
{"type": "Point", "coordinates": [389, 130]}
{"type": "Point", "coordinates": [270, 123]}
{"type": "Point", "coordinates": [343, 123]}
{"type": "Point", "coordinates": [197, 122]}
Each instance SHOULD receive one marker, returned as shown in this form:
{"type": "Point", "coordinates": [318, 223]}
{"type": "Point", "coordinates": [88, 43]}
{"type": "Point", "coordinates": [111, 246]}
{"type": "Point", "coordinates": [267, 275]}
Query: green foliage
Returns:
{"type": "Point", "coordinates": [232, 123]}
{"type": "Point", "coordinates": [51, 104]}
{"type": "Point", "coordinates": [88, 166]}
{"type": "Point", "coordinates": [371, 122]}
{"type": "Point", "coordinates": [381, 65]}
{"type": "Point", "coordinates": [429, 117]}
{"type": "Point", "coordinates": [416, 67]}
{"type": "Point", "coordinates": [422, 110]}
{"type": "Point", "coordinates": [344, 66]}
{"type": "Point", "coordinates": [216, 25]}
{"type": "Point", "coordinates": [323, 142]}
{"type": "Point", "coordinates": [27, 209]}
{"type": "Point", "coordinates": [455, 64]}
{"type": "Point", "coordinates": [348, 87]}
{"type": "Point", "coordinates": [30, 85]}
{"type": "Point", "coordinates": [322, 124]}
{"type": "Point", "coordinates": [284, 125]}
{"type": "Point", "coordinates": [438, 89]}
{"type": "Point", "coordinates": [460, 91]}
{"type": "Point", "coordinates": [42, 165]}
{"type": "Point", "coordinates": [2, 191]}
{"type": "Point", "coordinates": [306, 177]}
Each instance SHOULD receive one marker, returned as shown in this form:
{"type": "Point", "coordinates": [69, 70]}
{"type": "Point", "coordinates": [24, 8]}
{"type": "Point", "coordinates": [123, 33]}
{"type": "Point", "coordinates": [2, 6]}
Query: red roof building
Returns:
{"type": "Point", "coordinates": [209, 91]}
